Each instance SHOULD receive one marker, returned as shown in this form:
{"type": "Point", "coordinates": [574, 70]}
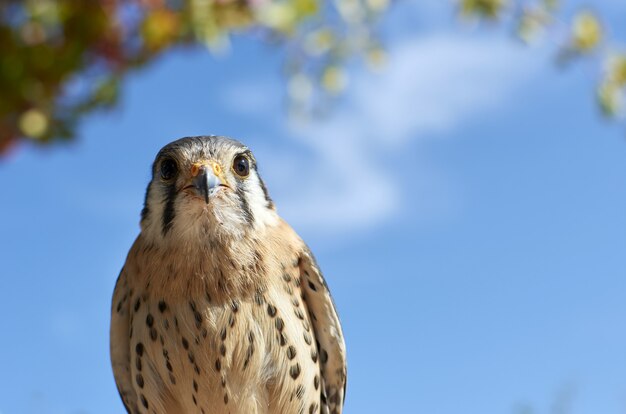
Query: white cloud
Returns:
{"type": "Point", "coordinates": [346, 188]}
{"type": "Point", "coordinates": [436, 84]}
{"type": "Point", "coordinates": [430, 86]}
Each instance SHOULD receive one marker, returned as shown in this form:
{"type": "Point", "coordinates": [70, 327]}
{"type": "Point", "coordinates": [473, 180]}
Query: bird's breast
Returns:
{"type": "Point", "coordinates": [253, 354]}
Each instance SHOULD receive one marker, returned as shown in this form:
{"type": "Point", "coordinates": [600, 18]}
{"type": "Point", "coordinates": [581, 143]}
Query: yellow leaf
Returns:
{"type": "Point", "coordinates": [318, 42]}
{"type": "Point", "coordinates": [280, 16]}
{"type": "Point", "coordinates": [305, 8]}
{"type": "Point", "coordinates": [482, 8]}
{"type": "Point", "coordinates": [159, 28]}
{"type": "Point", "coordinates": [586, 31]}
{"type": "Point", "coordinates": [532, 25]}
{"type": "Point", "coordinates": [33, 123]}
{"type": "Point", "coordinates": [334, 79]}
{"type": "Point", "coordinates": [610, 98]}
{"type": "Point", "coordinates": [378, 5]}
{"type": "Point", "coordinates": [617, 70]}
{"type": "Point", "coordinates": [376, 58]}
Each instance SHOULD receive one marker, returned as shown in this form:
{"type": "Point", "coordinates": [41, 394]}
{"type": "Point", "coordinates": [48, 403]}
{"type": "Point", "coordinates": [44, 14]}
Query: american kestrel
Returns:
{"type": "Point", "coordinates": [220, 306]}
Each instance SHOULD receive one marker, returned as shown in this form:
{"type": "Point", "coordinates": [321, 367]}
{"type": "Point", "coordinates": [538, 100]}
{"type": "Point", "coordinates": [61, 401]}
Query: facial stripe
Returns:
{"type": "Point", "coordinates": [146, 210]}
{"type": "Point", "coordinates": [168, 212]}
{"type": "Point", "coordinates": [245, 207]}
{"type": "Point", "coordinates": [270, 203]}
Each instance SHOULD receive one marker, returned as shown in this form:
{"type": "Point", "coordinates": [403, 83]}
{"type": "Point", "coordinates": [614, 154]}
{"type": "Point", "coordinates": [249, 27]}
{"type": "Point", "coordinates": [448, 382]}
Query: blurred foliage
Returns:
{"type": "Point", "coordinates": [583, 36]}
{"type": "Point", "coordinates": [61, 59]}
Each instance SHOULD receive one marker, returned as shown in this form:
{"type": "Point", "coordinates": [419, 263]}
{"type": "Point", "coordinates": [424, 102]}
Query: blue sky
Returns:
{"type": "Point", "coordinates": [467, 205]}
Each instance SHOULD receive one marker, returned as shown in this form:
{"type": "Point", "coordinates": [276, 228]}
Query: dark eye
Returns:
{"type": "Point", "coordinates": [168, 169]}
{"type": "Point", "coordinates": [241, 165]}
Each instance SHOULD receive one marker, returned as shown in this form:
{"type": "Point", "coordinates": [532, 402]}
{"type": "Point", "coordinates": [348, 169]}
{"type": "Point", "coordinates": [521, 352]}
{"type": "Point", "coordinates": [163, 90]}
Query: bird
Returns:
{"type": "Point", "coordinates": [220, 307]}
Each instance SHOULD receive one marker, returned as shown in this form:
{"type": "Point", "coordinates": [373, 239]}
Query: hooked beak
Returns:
{"type": "Point", "coordinates": [205, 181]}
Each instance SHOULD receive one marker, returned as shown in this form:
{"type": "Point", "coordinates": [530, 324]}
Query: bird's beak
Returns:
{"type": "Point", "coordinates": [205, 179]}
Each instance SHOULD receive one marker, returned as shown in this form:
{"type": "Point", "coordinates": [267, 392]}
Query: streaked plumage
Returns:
{"type": "Point", "coordinates": [220, 306]}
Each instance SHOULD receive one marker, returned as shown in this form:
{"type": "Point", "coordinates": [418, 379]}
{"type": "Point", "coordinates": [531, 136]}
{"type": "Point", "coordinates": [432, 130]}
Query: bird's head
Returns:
{"type": "Point", "coordinates": [205, 187]}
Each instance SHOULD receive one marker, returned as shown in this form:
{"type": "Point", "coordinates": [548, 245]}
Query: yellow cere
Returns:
{"type": "Point", "coordinates": [217, 169]}
{"type": "Point", "coordinates": [195, 169]}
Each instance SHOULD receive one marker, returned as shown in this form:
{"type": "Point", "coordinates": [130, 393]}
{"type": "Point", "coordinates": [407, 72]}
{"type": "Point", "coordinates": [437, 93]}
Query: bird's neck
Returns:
{"type": "Point", "coordinates": [220, 269]}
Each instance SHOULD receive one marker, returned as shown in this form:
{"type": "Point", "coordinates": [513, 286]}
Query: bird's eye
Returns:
{"type": "Point", "coordinates": [241, 166]}
{"type": "Point", "coordinates": [168, 169]}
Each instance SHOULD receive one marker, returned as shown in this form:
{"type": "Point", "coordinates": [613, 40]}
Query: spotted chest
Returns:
{"type": "Point", "coordinates": [255, 354]}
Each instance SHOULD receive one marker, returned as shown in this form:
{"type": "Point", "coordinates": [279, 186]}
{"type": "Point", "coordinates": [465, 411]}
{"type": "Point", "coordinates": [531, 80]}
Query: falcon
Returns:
{"type": "Point", "coordinates": [220, 306]}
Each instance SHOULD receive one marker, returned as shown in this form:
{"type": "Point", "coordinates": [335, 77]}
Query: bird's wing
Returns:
{"type": "Point", "coordinates": [120, 342]}
{"type": "Point", "coordinates": [328, 333]}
